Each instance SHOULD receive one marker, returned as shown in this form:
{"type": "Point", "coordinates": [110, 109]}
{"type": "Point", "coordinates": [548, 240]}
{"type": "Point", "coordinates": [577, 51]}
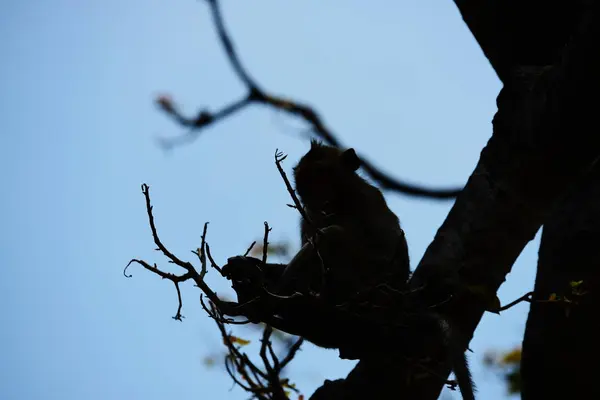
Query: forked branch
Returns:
{"type": "Point", "coordinates": [256, 95]}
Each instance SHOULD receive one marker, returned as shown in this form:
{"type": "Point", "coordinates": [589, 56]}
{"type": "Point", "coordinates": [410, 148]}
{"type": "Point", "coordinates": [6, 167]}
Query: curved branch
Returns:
{"type": "Point", "coordinates": [256, 95]}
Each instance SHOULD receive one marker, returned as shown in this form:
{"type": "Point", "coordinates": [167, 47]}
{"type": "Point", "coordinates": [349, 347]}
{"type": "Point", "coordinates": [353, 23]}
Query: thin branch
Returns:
{"type": "Point", "coordinates": [265, 248]}
{"type": "Point", "coordinates": [196, 124]}
{"type": "Point", "coordinates": [250, 248]}
{"type": "Point", "coordinates": [227, 44]}
{"type": "Point", "coordinates": [279, 158]}
{"type": "Point", "coordinates": [212, 261]}
{"type": "Point", "coordinates": [526, 297]}
{"type": "Point", "coordinates": [154, 268]}
{"type": "Point", "coordinates": [256, 95]}
{"type": "Point", "coordinates": [176, 279]}
{"type": "Point", "coordinates": [291, 353]}
{"type": "Point", "coordinates": [230, 308]}
{"type": "Point", "coordinates": [201, 253]}
{"type": "Point", "coordinates": [183, 264]}
{"type": "Point", "coordinates": [265, 340]}
{"type": "Point", "coordinates": [220, 317]}
{"type": "Point", "coordinates": [262, 384]}
{"type": "Point", "coordinates": [178, 316]}
{"type": "Point", "coordinates": [276, 365]}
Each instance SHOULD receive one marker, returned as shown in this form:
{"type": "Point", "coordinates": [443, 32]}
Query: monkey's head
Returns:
{"type": "Point", "coordinates": [325, 175]}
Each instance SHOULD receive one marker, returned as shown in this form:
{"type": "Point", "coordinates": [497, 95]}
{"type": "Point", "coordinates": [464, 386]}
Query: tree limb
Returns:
{"type": "Point", "coordinates": [256, 95]}
{"type": "Point", "coordinates": [541, 146]}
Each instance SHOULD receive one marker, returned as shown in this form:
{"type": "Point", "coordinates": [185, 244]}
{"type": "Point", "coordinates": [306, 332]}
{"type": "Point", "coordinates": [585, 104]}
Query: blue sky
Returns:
{"type": "Point", "coordinates": [402, 82]}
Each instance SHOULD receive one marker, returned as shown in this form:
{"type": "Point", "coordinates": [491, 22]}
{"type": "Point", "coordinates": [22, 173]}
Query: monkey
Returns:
{"type": "Point", "coordinates": [351, 241]}
{"type": "Point", "coordinates": [361, 237]}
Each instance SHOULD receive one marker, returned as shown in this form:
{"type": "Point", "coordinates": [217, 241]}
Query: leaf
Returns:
{"type": "Point", "coordinates": [512, 357]}
{"type": "Point", "coordinates": [209, 361]}
{"type": "Point", "coordinates": [165, 102]}
{"type": "Point", "coordinates": [237, 340]}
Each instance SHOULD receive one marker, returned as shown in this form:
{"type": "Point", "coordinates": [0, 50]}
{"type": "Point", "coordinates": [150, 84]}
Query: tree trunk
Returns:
{"type": "Point", "coordinates": [561, 346]}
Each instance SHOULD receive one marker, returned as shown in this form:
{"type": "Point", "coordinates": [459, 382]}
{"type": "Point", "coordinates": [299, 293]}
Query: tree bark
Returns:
{"type": "Point", "coordinates": [561, 345]}
{"type": "Point", "coordinates": [543, 142]}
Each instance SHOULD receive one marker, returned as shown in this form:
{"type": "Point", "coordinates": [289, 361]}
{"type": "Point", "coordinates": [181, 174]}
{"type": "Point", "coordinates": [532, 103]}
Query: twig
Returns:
{"type": "Point", "coordinates": [265, 248]}
{"type": "Point", "coordinates": [250, 248]}
{"type": "Point", "coordinates": [291, 353]}
{"type": "Point", "coordinates": [279, 158]}
{"type": "Point", "coordinates": [201, 253]}
{"type": "Point", "coordinates": [526, 297]}
{"type": "Point", "coordinates": [183, 264]}
{"type": "Point", "coordinates": [178, 316]}
{"type": "Point", "coordinates": [230, 308]}
{"type": "Point", "coordinates": [176, 279]}
{"type": "Point", "coordinates": [212, 261]}
{"type": "Point", "coordinates": [262, 384]}
{"type": "Point", "coordinates": [265, 340]}
{"type": "Point", "coordinates": [220, 317]}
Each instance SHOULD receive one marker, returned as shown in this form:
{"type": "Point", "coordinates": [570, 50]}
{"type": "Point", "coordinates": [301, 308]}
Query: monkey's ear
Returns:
{"type": "Point", "coordinates": [350, 160]}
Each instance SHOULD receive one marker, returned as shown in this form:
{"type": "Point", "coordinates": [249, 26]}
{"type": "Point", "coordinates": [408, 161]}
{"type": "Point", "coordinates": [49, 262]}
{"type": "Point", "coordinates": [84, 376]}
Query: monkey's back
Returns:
{"type": "Point", "coordinates": [368, 247]}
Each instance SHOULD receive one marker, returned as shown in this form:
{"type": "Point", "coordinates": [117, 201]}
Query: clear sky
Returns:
{"type": "Point", "coordinates": [402, 82]}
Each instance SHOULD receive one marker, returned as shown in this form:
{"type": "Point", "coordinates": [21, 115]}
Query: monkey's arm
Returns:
{"type": "Point", "coordinates": [331, 249]}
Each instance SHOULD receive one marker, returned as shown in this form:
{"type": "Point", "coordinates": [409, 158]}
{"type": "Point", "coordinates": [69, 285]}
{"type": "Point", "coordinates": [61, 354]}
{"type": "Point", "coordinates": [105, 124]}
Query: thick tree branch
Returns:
{"type": "Point", "coordinates": [529, 165]}
{"type": "Point", "coordinates": [543, 143]}
{"type": "Point", "coordinates": [489, 29]}
{"type": "Point", "coordinates": [559, 336]}
{"type": "Point", "coordinates": [515, 33]}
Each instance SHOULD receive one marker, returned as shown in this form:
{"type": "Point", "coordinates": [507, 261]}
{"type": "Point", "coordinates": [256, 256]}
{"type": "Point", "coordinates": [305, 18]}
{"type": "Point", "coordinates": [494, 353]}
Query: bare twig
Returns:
{"type": "Point", "coordinates": [183, 264]}
{"type": "Point", "coordinates": [291, 353]}
{"type": "Point", "coordinates": [279, 158]}
{"type": "Point", "coordinates": [201, 252]}
{"type": "Point", "coordinates": [263, 384]}
{"type": "Point", "coordinates": [176, 279]}
{"type": "Point", "coordinates": [212, 261]}
{"type": "Point", "coordinates": [526, 297]}
{"type": "Point", "coordinates": [220, 317]}
{"type": "Point", "coordinates": [250, 248]}
{"type": "Point", "coordinates": [230, 308]}
{"type": "Point", "coordinates": [178, 316]}
{"type": "Point", "coordinates": [265, 248]}
{"type": "Point", "coordinates": [265, 343]}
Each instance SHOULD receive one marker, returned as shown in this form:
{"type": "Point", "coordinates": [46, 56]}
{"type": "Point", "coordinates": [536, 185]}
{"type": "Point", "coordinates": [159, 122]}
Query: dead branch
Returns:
{"type": "Point", "coordinates": [230, 308]}
{"type": "Point", "coordinates": [526, 297]}
{"type": "Point", "coordinates": [266, 243]}
{"type": "Point", "coordinates": [250, 248]}
{"type": "Point", "coordinates": [263, 382]}
{"type": "Point", "coordinates": [279, 158]}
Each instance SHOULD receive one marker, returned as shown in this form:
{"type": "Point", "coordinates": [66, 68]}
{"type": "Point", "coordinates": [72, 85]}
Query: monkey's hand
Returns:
{"type": "Point", "coordinates": [252, 280]}
{"type": "Point", "coordinates": [247, 278]}
{"type": "Point", "coordinates": [243, 269]}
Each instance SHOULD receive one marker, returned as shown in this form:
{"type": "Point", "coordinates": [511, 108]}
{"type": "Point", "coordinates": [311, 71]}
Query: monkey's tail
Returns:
{"type": "Point", "coordinates": [460, 366]}
{"type": "Point", "coordinates": [458, 359]}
